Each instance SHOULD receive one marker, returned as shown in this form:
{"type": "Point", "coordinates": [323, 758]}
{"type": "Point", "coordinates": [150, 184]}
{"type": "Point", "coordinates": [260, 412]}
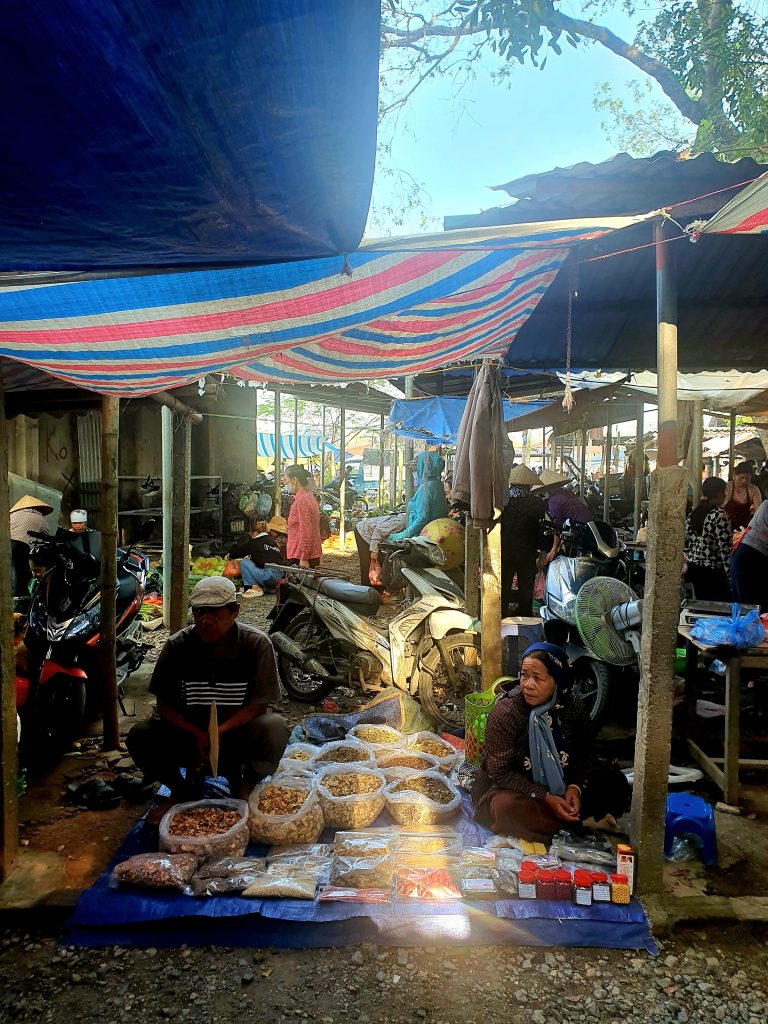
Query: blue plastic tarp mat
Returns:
{"type": "Point", "coordinates": [109, 915]}
{"type": "Point", "coordinates": [145, 134]}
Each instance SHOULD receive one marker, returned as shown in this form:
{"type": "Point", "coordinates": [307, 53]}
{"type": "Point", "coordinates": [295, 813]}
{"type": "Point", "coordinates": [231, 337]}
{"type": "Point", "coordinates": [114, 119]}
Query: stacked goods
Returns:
{"type": "Point", "coordinates": [422, 798]}
{"type": "Point", "coordinates": [285, 811]}
{"type": "Point", "coordinates": [350, 796]}
{"type": "Point", "coordinates": [210, 829]}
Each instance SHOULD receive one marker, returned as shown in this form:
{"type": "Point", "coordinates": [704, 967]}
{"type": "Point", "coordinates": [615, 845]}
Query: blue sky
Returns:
{"type": "Point", "coordinates": [458, 146]}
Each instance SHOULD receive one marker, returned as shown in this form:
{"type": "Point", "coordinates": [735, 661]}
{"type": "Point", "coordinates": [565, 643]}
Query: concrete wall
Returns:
{"type": "Point", "coordinates": [44, 448]}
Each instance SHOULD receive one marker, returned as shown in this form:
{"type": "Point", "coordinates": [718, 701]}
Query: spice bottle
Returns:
{"type": "Point", "coordinates": [601, 891]}
{"type": "Point", "coordinates": [563, 884]}
{"type": "Point", "coordinates": [582, 888]}
{"type": "Point", "coordinates": [526, 883]}
{"type": "Point", "coordinates": [620, 889]}
{"type": "Point", "coordinates": [546, 888]}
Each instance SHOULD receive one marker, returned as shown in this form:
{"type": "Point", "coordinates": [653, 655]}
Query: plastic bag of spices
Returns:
{"type": "Point", "coordinates": [285, 811]}
{"type": "Point", "coordinates": [423, 798]}
{"type": "Point", "coordinates": [351, 796]}
{"type": "Point", "coordinates": [431, 743]}
{"type": "Point", "coordinates": [228, 866]}
{"type": "Point", "coordinates": [210, 829]}
{"type": "Point", "coordinates": [156, 870]}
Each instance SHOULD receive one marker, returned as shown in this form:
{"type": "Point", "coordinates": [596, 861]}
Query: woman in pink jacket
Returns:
{"type": "Point", "coordinates": [304, 544]}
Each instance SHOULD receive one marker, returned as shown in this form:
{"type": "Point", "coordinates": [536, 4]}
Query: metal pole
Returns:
{"type": "Point", "coordinates": [661, 607]}
{"type": "Point", "coordinates": [381, 463]}
{"type": "Point", "coordinates": [110, 432]}
{"type": "Point", "coordinates": [9, 764]}
{"type": "Point", "coordinates": [639, 465]}
{"type": "Point", "coordinates": [543, 447]}
{"type": "Point", "coordinates": [182, 455]}
{"type": "Point", "coordinates": [731, 445]}
{"type": "Point", "coordinates": [295, 429]}
{"type": "Point", "coordinates": [343, 480]}
{"type": "Point", "coordinates": [607, 477]}
{"type": "Point", "coordinates": [166, 429]}
{"type": "Point", "coordinates": [408, 447]}
{"type": "Point", "coordinates": [256, 424]}
{"type": "Point", "coordinates": [394, 480]}
{"type": "Point", "coordinates": [322, 452]}
{"type": "Point", "coordinates": [278, 450]}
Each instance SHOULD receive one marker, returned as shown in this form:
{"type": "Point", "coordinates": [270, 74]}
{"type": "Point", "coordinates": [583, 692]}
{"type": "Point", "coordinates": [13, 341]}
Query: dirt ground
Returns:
{"type": "Point", "coordinates": [65, 847]}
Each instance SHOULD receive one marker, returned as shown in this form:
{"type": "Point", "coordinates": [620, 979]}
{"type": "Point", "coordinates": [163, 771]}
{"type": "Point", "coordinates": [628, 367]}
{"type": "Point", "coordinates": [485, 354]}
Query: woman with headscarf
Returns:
{"type": "Point", "coordinates": [708, 544]}
{"type": "Point", "coordinates": [427, 503]}
{"type": "Point", "coordinates": [538, 773]}
{"type": "Point", "coordinates": [749, 563]}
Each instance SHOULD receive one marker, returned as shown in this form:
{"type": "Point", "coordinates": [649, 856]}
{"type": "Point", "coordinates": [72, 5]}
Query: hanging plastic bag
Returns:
{"type": "Point", "coordinates": [740, 631]}
{"type": "Point", "coordinates": [539, 585]}
{"type": "Point", "coordinates": [232, 569]}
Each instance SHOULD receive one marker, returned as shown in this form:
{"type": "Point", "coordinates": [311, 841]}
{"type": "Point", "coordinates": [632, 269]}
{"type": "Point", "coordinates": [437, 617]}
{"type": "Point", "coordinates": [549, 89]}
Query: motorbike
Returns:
{"type": "Point", "coordinates": [587, 550]}
{"type": "Point", "coordinates": [62, 640]}
{"type": "Point", "coordinates": [326, 636]}
{"type": "Point", "coordinates": [355, 504]}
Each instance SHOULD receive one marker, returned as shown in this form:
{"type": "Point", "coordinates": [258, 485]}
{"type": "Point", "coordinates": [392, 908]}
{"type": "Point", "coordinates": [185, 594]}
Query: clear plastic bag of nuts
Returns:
{"type": "Point", "coordinates": [398, 762]}
{"type": "Point", "coordinates": [349, 751]}
{"type": "Point", "coordinates": [284, 811]}
{"type": "Point", "coordinates": [296, 755]}
{"type": "Point", "coordinates": [363, 872]}
{"type": "Point", "coordinates": [423, 798]}
{"type": "Point", "coordinates": [210, 829]}
{"type": "Point", "coordinates": [431, 743]}
{"type": "Point", "coordinates": [378, 737]}
{"type": "Point", "coordinates": [351, 796]}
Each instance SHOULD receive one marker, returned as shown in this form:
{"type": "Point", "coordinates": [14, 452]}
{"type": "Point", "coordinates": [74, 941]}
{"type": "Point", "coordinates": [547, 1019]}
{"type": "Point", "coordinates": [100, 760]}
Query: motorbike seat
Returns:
{"type": "Point", "coordinates": [348, 593]}
{"type": "Point", "coordinates": [126, 591]}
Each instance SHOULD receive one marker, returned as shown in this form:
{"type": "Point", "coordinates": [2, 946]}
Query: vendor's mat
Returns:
{"type": "Point", "coordinates": [107, 915]}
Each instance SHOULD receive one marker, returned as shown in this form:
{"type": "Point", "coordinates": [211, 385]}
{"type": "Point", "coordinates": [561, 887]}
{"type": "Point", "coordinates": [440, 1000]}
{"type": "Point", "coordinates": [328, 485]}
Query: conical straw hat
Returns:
{"type": "Point", "coordinates": [549, 478]}
{"type": "Point", "coordinates": [523, 476]}
{"type": "Point", "coordinates": [29, 502]}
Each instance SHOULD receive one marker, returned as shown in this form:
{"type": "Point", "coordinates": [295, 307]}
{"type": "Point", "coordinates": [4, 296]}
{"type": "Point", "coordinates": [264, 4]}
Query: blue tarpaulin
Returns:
{"type": "Point", "coordinates": [437, 420]}
{"type": "Point", "coordinates": [139, 133]}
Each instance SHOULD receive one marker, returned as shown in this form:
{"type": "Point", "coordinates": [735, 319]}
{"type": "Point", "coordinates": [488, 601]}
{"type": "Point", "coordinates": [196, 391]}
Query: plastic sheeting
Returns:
{"type": "Point", "coordinates": [437, 419]}
{"type": "Point", "coordinates": [309, 445]}
{"type": "Point", "coordinates": [106, 915]}
{"type": "Point", "coordinates": [142, 133]}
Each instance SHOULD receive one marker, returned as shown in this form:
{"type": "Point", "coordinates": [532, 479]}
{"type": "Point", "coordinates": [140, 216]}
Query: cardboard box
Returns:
{"type": "Point", "coordinates": [625, 863]}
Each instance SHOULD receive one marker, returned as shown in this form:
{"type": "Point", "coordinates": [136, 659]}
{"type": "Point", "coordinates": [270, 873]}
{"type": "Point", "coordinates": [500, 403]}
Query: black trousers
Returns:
{"type": "Point", "coordinates": [523, 562]}
{"type": "Point", "coordinates": [749, 569]}
{"type": "Point", "coordinates": [708, 584]}
{"type": "Point", "coordinates": [160, 749]}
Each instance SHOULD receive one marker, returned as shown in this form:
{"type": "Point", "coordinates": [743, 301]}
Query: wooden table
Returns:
{"type": "Point", "coordinates": [727, 777]}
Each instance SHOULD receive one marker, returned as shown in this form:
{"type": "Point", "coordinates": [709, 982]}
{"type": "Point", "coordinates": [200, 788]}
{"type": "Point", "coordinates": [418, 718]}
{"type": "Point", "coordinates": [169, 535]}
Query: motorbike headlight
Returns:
{"type": "Point", "coordinates": [81, 623]}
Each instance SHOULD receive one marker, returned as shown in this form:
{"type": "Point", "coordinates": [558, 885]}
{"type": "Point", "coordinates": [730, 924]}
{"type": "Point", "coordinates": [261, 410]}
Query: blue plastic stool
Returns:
{"type": "Point", "coordinates": [690, 815]}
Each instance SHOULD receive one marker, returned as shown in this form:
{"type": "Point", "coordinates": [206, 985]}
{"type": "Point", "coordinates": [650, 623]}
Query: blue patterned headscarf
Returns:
{"type": "Point", "coordinates": [546, 768]}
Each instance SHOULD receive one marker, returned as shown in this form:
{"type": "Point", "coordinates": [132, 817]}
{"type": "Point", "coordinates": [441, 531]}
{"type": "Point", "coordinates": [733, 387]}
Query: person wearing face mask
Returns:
{"type": "Point", "coordinates": [538, 773]}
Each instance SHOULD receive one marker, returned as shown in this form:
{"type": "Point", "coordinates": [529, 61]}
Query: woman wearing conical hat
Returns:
{"type": "Point", "coordinates": [28, 514]}
{"type": "Point", "coordinates": [520, 528]}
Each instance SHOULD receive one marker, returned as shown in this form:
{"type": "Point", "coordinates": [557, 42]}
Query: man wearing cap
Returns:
{"type": "Point", "coordinates": [220, 661]}
{"type": "Point", "coordinates": [256, 552]}
{"type": "Point", "coordinates": [27, 516]}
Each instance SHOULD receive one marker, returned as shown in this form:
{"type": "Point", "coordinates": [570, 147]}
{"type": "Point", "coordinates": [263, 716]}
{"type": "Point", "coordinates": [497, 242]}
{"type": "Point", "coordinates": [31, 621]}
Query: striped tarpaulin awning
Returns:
{"type": "Point", "coordinates": [309, 445]}
{"type": "Point", "coordinates": [745, 214]}
{"type": "Point", "coordinates": [420, 305]}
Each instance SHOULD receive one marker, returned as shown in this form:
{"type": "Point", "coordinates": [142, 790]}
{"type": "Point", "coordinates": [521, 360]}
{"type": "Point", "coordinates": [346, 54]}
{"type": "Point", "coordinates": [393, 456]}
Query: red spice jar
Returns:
{"type": "Point", "coordinates": [546, 887]}
{"type": "Point", "coordinates": [582, 888]}
{"type": "Point", "coordinates": [563, 884]}
{"type": "Point", "coordinates": [601, 890]}
{"type": "Point", "coordinates": [526, 883]}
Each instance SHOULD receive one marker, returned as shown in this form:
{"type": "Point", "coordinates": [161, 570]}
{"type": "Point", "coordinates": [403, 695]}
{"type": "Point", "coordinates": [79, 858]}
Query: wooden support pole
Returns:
{"type": "Point", "coordinates": [408, 449]}
{"type": "Point", "coordinates": [278, 451]}
{"type": "Point", "coordinates": [110, 434]}
{"type": "Point", "coordinates": [639, 464]}
{"type": "Point", "coordinates": [731, 445]}
{"type": "Point", "coordinates": [182, 454]}
{"type": "Point", "coordinates": [166, 433]}
{"type": "Point", "coordinates": [607, 477]}
{"type": "Point", "coordinates": [322, 451]}
{"type": "Point", "coordinates": [583, 471]}
{"type": "Point", "coordinates": [697, 445]}
{"type": "Point", "coordinates": [343, 480]}
{"type": "Point", "coordinates": [543, 447]}
{"type": "Point", "coordinates": [472, 547]}
{"type": "Point", "coordinates": [491, 607]}
{"type": "Point", "coordinates": [381, 464]}
{"type": "Point", "coordinates": [295, 430]}
{"type": "Point", "coordinates": [666, 527]}
{"type": "Point", "coordinates": [9, 765]}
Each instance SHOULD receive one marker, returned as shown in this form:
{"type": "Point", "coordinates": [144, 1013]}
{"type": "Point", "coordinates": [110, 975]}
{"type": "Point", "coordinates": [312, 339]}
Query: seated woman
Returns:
{"type": "Point", "coordinates": [427, 503]}
{"type": "Point", "coordinates": [538, 773]}
{"type": "Point", "coordinates": [708, 544]}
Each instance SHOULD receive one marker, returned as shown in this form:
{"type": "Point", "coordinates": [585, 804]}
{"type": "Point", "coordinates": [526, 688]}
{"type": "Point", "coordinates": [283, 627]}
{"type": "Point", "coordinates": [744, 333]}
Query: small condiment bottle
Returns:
{"type": "Point", "coordinates": [601, 890]}
{"type": "Point", "coordinates": [546, 889]}
{"type": "Point", "coordinates": [529, 865]}
{"type": "Point", "coordinates": [582, 888]}
{"type": "Point", "coordinates": [526, 883]}
{"type": "Point", "coordinates": [620, 889]}
{"type": "Point", "coordinates": [563, 884]}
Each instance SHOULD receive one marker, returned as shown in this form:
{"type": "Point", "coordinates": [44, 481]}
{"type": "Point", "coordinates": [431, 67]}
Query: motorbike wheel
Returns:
{"type": "Point", "coordinates": [300, 685]}
{"type": "Point", "coordinates": [592, 680]}
{"type": "Point", "coordinates": [442, 703]}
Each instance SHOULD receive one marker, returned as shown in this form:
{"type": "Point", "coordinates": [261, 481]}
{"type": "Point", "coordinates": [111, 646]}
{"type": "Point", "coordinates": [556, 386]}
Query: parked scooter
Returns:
{"type": "Point", "coordinates": [325, 638]}
{"type": "Point", "coordinates": [588, 550]}
{"type": "Point", "coordinates": [62, 639]}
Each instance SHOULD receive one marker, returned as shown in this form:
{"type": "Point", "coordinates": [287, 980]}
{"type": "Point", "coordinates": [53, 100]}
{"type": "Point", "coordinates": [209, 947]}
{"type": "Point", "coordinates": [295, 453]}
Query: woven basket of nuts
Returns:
{"type": "Point", "coordinates": [423, 798]}
{"type": "Point", "coordinates": [342, 752]}
{"type": "Point", "coordinates": [350, 796]}
{"type": "Point", "coordinates": [208, 828]}
{"type": "Point", "coordinates": [284, 811]}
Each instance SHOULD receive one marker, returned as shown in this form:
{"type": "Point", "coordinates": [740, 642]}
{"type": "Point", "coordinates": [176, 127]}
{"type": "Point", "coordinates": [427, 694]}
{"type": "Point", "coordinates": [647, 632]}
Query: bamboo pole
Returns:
{"type": "Point", "coordinates": [408, 448]}
{"type": "Point", "coordinates": [278, 451]}
{"type": "Point", "coordinates": [639, 464]}
{"type": "Point", "coordinates": [166, 430]}
{"type": "Point", "coordinates": [110, 434]}
{"type": "Point", "coordinates": [182, 452]}
{"type": "Point", "coordinates": [607, 477]}
{"type": "Point", "coordinates": [381, 464]}
{"type": "Point", "coordinates": [322, 451]}
{"type": "Point", "coordinates": [731, 445]}
{"type": "Point", "coordinates": [491, 607]}
{"type": "Point", "coordinates": [9, 765]}
{"type": "Point", "coordinates": [343, 480]}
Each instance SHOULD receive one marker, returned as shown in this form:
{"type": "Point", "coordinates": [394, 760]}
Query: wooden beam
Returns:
{"type": "Point", "coordinates": [278, 452]}
{"type": "Point", "coordinates": [9, 765]}
{"type": "Point", "coordinates": [110, 434]}
{"type": "Point", "coordinates": [343, 480]}
{"type": "Point", "coordinates": [472, 548]}
{"type": "Point", "coordinates": [182, 453]}
{"type": "Point", "coordinates": [491, 607]}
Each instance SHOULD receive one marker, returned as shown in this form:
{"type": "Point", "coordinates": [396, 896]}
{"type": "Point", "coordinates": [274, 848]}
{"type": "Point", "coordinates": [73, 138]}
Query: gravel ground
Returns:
{"type": "Point", "coordinates": [699, 978]}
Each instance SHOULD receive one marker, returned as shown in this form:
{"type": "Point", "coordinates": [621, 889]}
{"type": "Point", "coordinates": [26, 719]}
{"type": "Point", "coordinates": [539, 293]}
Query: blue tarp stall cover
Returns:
{"type": "Point", "coordinates": [437, 419]}
{"type": "Point", "coordinates": [309, 445]}
{"type": "Point", "coordinates": [139, 133]}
